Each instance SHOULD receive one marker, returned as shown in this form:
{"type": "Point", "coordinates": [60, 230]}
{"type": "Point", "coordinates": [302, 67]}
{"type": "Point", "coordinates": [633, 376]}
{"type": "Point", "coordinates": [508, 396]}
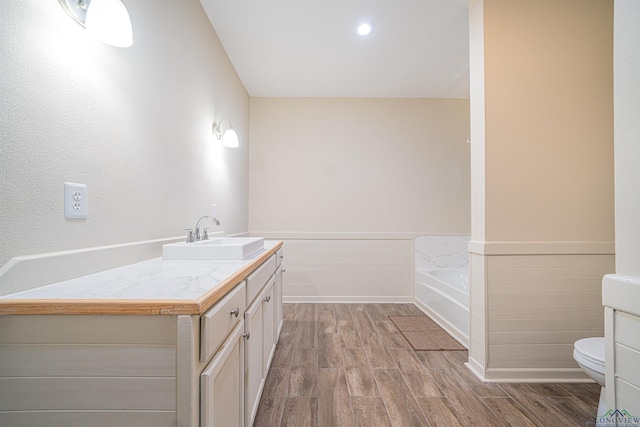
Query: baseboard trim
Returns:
{"type": "Point", "coordinates": [347, 299]}
{"type": "Point", "coordinates": [515, 375]}
{"type": "Point", "coordinates": [475, 368]}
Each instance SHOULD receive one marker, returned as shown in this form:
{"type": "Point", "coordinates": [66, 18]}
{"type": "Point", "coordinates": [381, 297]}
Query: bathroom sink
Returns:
{"type": "Point", "coordinates": [216, 248]}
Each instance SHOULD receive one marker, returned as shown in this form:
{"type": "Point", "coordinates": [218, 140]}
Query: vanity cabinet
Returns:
{"type": "Point", "coordinates": [260, 337]}
{"type": "Point", "coordinates": [167, 366]}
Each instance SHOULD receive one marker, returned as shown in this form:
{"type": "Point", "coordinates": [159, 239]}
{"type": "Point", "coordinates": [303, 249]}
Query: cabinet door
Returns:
{"type": "Point", "coordinates": [277, 291]}
{"type": "Point", "coordinates": [269, 322]}
{"type": "Point", "coordinates": [253, 366]}
{"type": "Point", "coordinates": [222, 384]}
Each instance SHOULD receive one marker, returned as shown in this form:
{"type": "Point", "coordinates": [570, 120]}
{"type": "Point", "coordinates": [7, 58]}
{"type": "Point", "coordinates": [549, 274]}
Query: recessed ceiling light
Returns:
{"type": "Point", "coordinates": [364, 29]}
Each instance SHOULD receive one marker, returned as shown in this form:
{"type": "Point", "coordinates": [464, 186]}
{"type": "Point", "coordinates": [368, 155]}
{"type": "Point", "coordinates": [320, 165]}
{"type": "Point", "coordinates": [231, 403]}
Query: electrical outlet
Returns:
{"type": "Point", "coordinates": [75, 200]}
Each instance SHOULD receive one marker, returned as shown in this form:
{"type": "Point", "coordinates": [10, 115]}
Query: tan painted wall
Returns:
{"type": "Point", "coordinates": [549, 120]}
{"type": "Point", "coordinates": [542, 162]}
{"type": "Point", "coordinates": [348, 182]}
{"type": "Point", "coordinates": [359, 165]}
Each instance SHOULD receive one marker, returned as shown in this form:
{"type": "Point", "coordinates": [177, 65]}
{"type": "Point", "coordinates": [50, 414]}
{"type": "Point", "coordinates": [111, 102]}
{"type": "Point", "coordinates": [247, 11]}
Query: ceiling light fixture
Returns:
{"type": "Point", "coordinates": [107, 20]}
{"type": "Point", "coordinates": [364, 29]}
{"type": "Point", "coordinates": [229, 137]}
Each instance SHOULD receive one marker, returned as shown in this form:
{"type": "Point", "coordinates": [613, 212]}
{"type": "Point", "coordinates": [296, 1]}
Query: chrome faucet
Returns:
{"type": "Point", "coordinates": [206, 235]}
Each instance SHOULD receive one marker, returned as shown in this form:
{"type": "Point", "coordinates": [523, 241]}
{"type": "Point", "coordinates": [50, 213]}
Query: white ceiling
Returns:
{"type": "Point", "coordinates": [309, 48]}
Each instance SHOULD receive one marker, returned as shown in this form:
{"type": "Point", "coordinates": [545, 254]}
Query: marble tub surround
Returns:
{"type": "Point", "coordinates": [149, 287]}
{"type": "Point", "coordinates": [441, 252]}
{"type": "Point", "coordinates": [441, 290]}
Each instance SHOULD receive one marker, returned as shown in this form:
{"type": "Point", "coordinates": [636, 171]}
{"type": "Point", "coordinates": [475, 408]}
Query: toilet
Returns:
{"type": "Point", "coordinates": [589, 353]}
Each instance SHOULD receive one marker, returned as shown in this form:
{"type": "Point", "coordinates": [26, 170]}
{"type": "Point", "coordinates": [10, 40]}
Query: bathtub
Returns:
{"type": "Point", "coordinates": [443, 294]}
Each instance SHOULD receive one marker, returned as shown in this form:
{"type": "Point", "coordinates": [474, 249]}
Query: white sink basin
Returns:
{"type": "Point", "coordinates": [216, 248]}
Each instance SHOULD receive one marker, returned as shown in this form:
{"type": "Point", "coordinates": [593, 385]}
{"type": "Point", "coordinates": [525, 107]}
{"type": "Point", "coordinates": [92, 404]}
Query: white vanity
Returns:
{"type": "Point", "coordinates": [157, 343]}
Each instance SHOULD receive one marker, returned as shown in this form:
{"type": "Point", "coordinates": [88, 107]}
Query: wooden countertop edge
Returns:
{"type": "Point", "coordinates": [133, 307]}
{"type": "Point", "coordinates": [206, 301]}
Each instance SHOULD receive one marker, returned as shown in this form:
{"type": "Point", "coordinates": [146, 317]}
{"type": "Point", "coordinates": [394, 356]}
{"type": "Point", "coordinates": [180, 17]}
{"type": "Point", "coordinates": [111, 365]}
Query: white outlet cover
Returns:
{"type": "Point", "coordinates": [75, 200]}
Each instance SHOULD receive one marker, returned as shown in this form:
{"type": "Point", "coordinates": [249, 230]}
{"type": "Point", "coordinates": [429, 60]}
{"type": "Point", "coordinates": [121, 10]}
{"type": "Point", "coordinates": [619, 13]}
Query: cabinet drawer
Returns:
{"type": "Point", "coordinates": [216, 323]}
{"type": "Point", "coordinates": [279, 257]}
{"type": "Point", "coordinates": [257, 279]}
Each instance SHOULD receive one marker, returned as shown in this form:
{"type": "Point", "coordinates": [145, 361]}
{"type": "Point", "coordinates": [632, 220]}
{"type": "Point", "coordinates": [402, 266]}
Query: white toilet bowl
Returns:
{"type": "Point", "coordinates": [589, 353]}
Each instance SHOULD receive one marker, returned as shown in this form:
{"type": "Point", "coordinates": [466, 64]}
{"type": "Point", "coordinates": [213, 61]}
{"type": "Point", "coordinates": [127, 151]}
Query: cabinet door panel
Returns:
{"type": "Point", "coordinates": [269, 331]}
{"type": "Point", "coordinates": [222, 385]}
{"type": "Point", "coordinates": [278, 303]}
{"type": "Point", "coordinates": [253, 368]}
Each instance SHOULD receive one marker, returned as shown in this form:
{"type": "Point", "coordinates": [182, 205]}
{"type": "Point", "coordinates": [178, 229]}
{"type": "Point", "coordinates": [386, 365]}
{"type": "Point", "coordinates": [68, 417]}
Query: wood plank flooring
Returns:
{"type": "Point", "coordinates": [347, 365]}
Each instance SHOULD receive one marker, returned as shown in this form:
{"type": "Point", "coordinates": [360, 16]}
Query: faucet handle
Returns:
{"type": "Point", "coordinates": [190, 238]}
{"type": "Point", "coordinates": [205, 235]}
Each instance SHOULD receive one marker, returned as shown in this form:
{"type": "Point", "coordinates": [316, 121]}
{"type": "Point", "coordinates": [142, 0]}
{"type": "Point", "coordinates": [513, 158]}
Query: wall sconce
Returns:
{"type": "Point", "coordinates": [229, 137]}
{"type": "Point", "coordinates": [107, 20]}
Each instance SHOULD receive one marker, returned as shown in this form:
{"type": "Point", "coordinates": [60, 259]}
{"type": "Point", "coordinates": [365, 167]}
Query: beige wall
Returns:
{"type": "Point", "coordinates": [359, 165]}
{"type": "Point", "coordinates": [549, 120]}
{"type": "Point", "coordinates": [348, 183]}
{"type": "Point", "coordinates": [133, 124]}
{"type": "Point", "coordinates": [543, 217]}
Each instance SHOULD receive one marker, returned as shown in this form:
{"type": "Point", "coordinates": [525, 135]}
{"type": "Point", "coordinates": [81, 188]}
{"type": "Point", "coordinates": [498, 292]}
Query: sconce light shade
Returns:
{"type": "Point", "coordinates": [229, 137]}
{"type": "Point", "coordinates": [109, 22]}
{"type": "Point", "coordinates": [106, 20]}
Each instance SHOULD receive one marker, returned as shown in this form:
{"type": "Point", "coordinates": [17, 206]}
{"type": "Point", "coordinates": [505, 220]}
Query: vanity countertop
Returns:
{"type": "Point", "coordinates": [145, 288]}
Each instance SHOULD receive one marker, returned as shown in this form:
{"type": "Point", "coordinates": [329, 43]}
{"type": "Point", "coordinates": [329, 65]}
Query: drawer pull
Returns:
{"type": "Point", "coordinates": [247, 335]}
{"type": "Point", "coordinates": [235, 312]}
{"type": "Point", "coordinates": [267, 298]}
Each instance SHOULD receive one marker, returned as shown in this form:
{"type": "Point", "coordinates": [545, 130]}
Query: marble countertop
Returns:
{"type": "Point", "coordinates": [149, 287]}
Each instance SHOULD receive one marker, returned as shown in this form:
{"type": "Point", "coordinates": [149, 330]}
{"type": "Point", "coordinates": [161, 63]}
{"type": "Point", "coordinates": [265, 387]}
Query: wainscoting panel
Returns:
{"type": "Point", "coordinates": [538, 306]}
{"type": "Point", "coordinates": [478, 328]}
{"type": "Point", "coordinates": [63, 370]}
{"type": "Point", "coordinates": [348, 269]}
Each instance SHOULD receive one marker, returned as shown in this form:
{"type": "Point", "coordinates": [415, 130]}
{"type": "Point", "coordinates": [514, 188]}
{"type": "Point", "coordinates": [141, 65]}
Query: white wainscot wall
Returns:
{"type": "Point", "coordinates": [528, 309]}
{"type": "Point", "coordinates": [347, 267]}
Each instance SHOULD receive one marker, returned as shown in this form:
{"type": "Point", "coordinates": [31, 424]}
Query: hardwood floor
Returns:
{"type": "Point", "coordinates": [347, 365]}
